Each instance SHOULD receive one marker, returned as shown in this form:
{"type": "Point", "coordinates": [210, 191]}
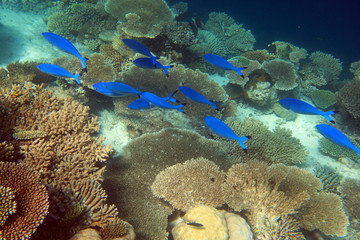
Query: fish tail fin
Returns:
{"type": "Point", "coordinates": [215, 105]}
{"type": "Point", "coordinates": [180, 106]}
{"type": "Point", "coordinates": [83, 60]}
{"type": "Point", "coordinates": [166, 70]}
{"type": "Point", "coordinates": [327, 116]}
{"type": "Point", "coordinates": [76, 77]}
{"type": "Point", "coordinates": [241, 141]}
{"type": "Point", "coordinates": [238, 70]}
{"type": "Point", "coordinates": [171, 99]}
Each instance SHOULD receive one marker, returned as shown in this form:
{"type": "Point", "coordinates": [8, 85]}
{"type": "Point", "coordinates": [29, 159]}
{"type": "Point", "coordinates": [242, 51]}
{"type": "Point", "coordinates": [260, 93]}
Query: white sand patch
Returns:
{"type": "Point", "coordinates": [21, 38]}
{"type": "Point", "coordinates": [222, 80]}
{"type": "Point", "coordinates": [115, 132]}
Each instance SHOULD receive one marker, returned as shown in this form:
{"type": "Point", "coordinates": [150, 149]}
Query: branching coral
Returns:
{"type": "Point", "coordinates": [349, 97]}
{"type": "Point", "coordinates": [140, 18]}
{"type": "Point", "coordinates": [282, 73]}
{"type": "Point", "coordinates": [31, 200]}
{"type": "Point", "coordinates": [330, 178]}
{"type": "Point", "coordinates": [129, 178]}
{"type": "Point", "coordinates": [335, 150]}
{"type": "Point", "coordinates": [276, 146]}
{"type": "Point", "coordinates": [186, 185]}
{"type": "Point", "coordinates": [7, 204]}
{"type": "Point", "coordinates": [350, 190]}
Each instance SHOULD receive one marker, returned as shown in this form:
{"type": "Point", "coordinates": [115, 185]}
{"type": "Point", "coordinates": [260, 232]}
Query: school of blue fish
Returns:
{"type": "Point", "coordinates": [149, 100]}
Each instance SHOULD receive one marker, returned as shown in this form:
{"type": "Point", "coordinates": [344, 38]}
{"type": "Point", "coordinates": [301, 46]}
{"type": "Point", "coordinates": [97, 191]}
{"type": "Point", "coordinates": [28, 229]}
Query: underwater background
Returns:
{"type": "Point", "coordinates": [184, 120]}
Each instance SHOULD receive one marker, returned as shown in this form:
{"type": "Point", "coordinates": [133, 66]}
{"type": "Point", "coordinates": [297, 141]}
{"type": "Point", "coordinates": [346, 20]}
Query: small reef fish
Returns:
{"type": "Point", "coordinates": [114, 89]}
{"type": "Point", "coordinates": [143, 104]}
{"type": "Point", "coordinates": [148, 63]}
{"type": "Point", "coordinates": [139, 47]}
{"type": "Point", "coordinates": [58, 71]}
{"type": "Point", "coordinates": [196, 96]}
{"type": "Point", "coordinates": [161, 102]}
{"type": "Point", "coordinates": [64, 45]}
{"type": "Point", "coordinates": [223, 63]}
{"type": "Point", "coordinates": [337, 137]}
{"type": "Point", "coordinates": [302, 107]}
{"type": "Point", "coordinates": [220, 128]}
{"type": "Point", "coordinates": [195, 225]}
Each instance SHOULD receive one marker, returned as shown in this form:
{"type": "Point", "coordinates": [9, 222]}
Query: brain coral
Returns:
{"type": "Point", "coordinates": [140, 18]}
{"type": "Point", "coordinates": [186, 185]}
{"type": "Point", "coordinates": [129, 178]}
{"type": "Point", "coordinates": [213, 221]}
{"type": "Point", "coordinates": [282, 73]}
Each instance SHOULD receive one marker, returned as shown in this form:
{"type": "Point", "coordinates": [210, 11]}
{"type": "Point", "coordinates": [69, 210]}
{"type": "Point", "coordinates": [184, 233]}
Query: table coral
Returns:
{"type": "Point", "coordinates": [282, 72]}
{"type": "Point", "coordinates": [129, 178]}
{"type": "Point", "coordinates": [186, 185]}
{"type": "Point", "coordinates": [31, 200]}
{"type": "Point", "coordinates": [140, 18]}
{"type": "Point", "coordinates": [326, 65]}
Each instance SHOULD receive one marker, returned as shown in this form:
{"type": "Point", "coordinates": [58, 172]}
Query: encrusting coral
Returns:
{"type": "Point", "coordinates": [31, 199]}
{"type": "Point", "coordinates": [140, 18]}
{"type": "Point", "coordinates": [129, 179]}
{"type": "Point", "coordinates": [186, 185]}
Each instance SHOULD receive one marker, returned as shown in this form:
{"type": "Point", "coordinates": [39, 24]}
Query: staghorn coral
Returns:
{"type": "Point", "coordinates": [326, 66]}
{"type": "Point", "coordinates": [140, 18]}
{"type": "Point", "coordinates": [282, 73]}
{"type": "Point", "coordinates": [277, 146]}
{"type": "Point", "coordinates": [213, 223]}
{"type": "Point", "coordinates": [253, 187]}
{"type": "Point", "coordinates": [129, 178]}
{"type": "Point", "coordinates": [323, 98]}
{"type": "Point", "coordinates": [69, 147]}
{"type": "Point", "coordinates": [155, 81]}
{"type": "Point", "coordinates": [7, 204]}
{"type": "Point", "coordinates": [349, 98]}
{"type": "Point", "coordinates": [31, 200]}
{"type": "Point", "coordinates": [186, 185]}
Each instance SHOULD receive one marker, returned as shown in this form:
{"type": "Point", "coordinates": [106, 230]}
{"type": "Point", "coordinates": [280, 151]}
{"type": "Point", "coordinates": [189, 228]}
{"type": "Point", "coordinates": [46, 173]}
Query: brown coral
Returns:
{"type": "Point", "coordinates": [129, 178]}
{"type": "Point", "coordinates": [186, 185]}
{"type": "Point", "coordinates": [349, 97]}
{"type": "Point", "coordinates": [259, 55]}
{"type": "Point", "coordinates": [7, 204]}
{"type": "Point", "coordinates": [31, 200]}
{"type": "Point", "coordinates": [282, 73]}
{"type": "Point", "coordinates": [350, 190]}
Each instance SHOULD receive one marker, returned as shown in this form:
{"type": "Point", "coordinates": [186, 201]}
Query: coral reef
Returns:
{"type": "Point", "coordinates": [140, 18]}
{"type": "Point", "coordinates": [325, 66]}
{"type": "Point", "coordinates": [31, 200]}
{"type": "Point", "coordinates": [259, 55]}
{"type": "Point", "coordinates": [277, 146]}
{"type": "Point", "coordinates": [180, 34]}
{"type": "Point", "coordinates": [282, 72]}
{"type": "Point", "coordinates": [287, 51]}
{"type": "Point", "coordinates": [330, 178]}
{"type": "Point", "coordinates": [323, 99]}
{"type": "Point", "coordinates": [129, 178]}
{"type": "Point", "coordinates": [350, 190]}
{"type": "Point", "coordinates": [349, 98]}
{"type": "Point", "coordinates": [155, 81]}
{"type": "Point", "coordinates": [213, 223]}
{"type": "Point", "coordinates": [194, 182]}
{"type": "Point", "coordinates": [284, 113]}
{"type": "Point", "coordinates": [7, 204]}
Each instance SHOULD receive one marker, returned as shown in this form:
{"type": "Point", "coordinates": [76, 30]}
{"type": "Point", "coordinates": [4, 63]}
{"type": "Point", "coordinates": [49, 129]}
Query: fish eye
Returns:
{"type": "Point", "coordinates": [212, 179]}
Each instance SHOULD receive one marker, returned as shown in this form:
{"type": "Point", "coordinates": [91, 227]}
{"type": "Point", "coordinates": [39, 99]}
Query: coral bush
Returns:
{"type": "Point", "coordinates": [140, 18]}
{"type": "Point", "coordinates": [130, 177]}
{"type": "Point", "coordinates": [349, 98]}
{"type": "Point", "coordinates": [326, 65]}
{"type": "Point", "coordinates": [350, 190]}
{"type": "Point", "coordinates": [194, 182]}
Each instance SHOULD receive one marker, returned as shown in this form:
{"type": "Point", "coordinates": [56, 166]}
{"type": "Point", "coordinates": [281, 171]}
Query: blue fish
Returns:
{"type": "Point", "coordinates": [220, 128]}
{"type": "Point", "coordinates": [223, 63]}
{"type": "Point", "coordinates": [139, 47]}
{"type": "Point", "coordinates": [196, 96]}
{"type": "Point", "coordinates": [149, 64]}
{"type": "Point", "coordinates": [58, 71]}
{"type": "Point", "coordinates": [337, 137]}
{"type": "Point", "coordinates": [161, 102]}
{"type": "Point", "coordinates": [114, 89]}
{"type": "Point", "coordinates": [140, 104]}
{"type": "Point", "coordinates": [64, 45]}
{"type": "Point", "coordinates": [302, 107]}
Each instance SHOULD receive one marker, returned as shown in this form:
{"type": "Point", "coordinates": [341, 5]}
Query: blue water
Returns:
{"type": "Point", "coordinates": [327, 26]}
